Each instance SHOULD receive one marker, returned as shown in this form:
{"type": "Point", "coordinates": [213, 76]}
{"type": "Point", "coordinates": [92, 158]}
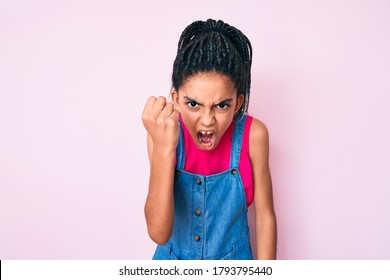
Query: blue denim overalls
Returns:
{"type": "Point", "coordinates": [210, 214]}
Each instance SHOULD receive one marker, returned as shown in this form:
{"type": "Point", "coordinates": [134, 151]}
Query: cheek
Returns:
{"type": "Point", "coordinates": [188, 119]}
{"type": "Point", "coordinates": [224, 123]}
{"type": "Point", "coordinates": [225, 119]}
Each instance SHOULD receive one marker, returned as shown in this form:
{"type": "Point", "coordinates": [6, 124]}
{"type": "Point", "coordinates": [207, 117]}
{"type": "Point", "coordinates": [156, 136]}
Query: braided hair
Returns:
{"type": "Point", "coordinates": [214, 46]}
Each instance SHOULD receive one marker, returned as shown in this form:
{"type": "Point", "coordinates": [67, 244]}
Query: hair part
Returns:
{"type": "Point", "coordinates": [214, 46]}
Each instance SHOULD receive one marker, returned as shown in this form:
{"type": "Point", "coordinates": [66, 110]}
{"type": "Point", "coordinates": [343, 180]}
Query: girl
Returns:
{"type": "Point", "coordinates": [208, 158]}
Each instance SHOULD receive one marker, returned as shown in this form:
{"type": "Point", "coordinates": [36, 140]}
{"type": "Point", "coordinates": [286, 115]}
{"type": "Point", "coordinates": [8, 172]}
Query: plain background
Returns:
{"type": "Point", "coordinates": [74, 77]}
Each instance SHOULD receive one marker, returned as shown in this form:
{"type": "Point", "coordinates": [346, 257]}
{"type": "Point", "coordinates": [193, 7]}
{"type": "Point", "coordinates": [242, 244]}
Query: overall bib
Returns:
{"type": "Point", "coordinates": [210, 214]}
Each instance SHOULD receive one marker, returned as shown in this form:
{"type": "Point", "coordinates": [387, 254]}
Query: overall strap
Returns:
{"type": "Point", "coordinates": [180, 155]}
{"type": "Point", "coordinates": [239, 124]}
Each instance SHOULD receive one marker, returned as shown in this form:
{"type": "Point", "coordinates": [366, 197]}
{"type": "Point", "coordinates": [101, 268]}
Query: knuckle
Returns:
{"type": "Point", "coordinates": [152, 98]}
{"type": "Point", "coordinates": [160, 121]}
{"type": "Point", "coordinates": [161, 99]}
{"type": "Point", "coordinates": [176, 115]}
{"type": "Point", "coordinates": [169, 106]}
{"type": "Point", "coordinates": [172, 122]}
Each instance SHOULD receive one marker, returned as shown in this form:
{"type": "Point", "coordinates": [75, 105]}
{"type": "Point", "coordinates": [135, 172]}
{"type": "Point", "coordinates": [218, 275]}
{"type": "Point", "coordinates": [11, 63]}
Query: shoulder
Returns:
{"type": "Point", "coordinates": [258, 139]}
{"type": "Point", "coordinates": [258, 131]}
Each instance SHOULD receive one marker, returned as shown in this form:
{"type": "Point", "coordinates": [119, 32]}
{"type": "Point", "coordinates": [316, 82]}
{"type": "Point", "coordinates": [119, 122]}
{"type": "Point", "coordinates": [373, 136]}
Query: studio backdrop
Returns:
{"type": "Point", "coordinates": [74, 78]}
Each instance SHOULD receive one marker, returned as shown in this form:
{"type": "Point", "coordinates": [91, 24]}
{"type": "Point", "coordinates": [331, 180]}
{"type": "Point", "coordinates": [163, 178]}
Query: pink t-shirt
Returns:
{"type": "Point", "coordinates": [218, 160]}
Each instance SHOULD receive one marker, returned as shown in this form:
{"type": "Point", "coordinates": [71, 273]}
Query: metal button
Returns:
{"type": "Point", "coordinates": [177, 173]}
{"type": "Point", "coordinates": [198, 181]}
{"type": "Point", "coordinates": [196, 237]}
{"type": "Point", "coordinates": [234, 171]}
{"type": "Point", "coordinates": [197, 212]}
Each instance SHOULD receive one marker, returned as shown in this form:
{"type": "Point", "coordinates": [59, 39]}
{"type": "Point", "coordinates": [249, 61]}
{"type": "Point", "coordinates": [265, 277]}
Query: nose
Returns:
{"type": "Point", "coordinates": [207, 117]}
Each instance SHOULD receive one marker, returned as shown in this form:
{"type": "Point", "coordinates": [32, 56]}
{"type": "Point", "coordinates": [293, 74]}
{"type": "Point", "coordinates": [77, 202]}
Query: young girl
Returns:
{"type": "Point", "coordinates": [208, 158]}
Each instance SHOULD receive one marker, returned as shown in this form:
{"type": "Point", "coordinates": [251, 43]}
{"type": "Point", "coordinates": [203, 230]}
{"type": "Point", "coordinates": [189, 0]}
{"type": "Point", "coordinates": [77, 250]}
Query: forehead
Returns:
{"type": "Point", "coordinates": [208, 87]}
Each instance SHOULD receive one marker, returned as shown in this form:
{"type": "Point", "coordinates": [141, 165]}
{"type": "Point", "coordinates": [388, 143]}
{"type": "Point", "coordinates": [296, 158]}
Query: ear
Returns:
{"type": "Point", "coordinates": [175, 99]}
{"type": "Point", "coordinates": [240, 100]}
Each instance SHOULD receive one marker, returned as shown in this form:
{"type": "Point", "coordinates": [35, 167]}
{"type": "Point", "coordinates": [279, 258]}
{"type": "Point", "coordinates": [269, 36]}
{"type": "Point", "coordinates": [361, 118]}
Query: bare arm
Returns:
{"type": "Point", "coordinates": [161, 122]}
{"type": "Point", "coordinates": [266, 233]}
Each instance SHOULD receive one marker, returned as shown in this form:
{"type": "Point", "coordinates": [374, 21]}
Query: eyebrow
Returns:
{"type": "Point", "coordinates": [226, 101]}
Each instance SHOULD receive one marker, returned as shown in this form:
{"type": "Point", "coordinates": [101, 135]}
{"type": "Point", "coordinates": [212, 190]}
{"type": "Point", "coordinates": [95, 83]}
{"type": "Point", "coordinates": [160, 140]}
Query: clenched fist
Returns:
{"type": "Point", "coordinates": [161, 121]}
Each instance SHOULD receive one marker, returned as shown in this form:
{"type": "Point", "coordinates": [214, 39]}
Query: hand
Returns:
{"type": "Point", "coordinates": [161, 121]}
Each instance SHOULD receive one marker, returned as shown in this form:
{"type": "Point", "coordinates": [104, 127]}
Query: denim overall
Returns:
{"type": "Point", "coordinates": [210, 214]}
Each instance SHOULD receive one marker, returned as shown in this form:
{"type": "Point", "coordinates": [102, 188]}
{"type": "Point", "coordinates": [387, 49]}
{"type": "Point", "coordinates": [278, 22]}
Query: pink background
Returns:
{"type": "Point", "coordinates": [74, 77]}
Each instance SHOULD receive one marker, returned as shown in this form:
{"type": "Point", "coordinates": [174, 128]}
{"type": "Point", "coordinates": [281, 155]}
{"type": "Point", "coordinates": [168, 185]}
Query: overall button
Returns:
{"type": "Point", "coordinates": [197, 212]}
{"type": "Point", "coordinates": [177, 173]}
{"type": "Point", "coordinates": [234, 171]}
{"type": "Point", "coordinates": [197, 237]}
{"type": "Point", "coordinates": [198, 181]}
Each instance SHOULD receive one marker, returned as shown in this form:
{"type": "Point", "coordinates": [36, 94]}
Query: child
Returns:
{"type": "Point", "coordinates": [208, 158]}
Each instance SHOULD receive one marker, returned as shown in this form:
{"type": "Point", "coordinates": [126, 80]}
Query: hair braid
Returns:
{"type": "Point", "coordinates": [188, 33]}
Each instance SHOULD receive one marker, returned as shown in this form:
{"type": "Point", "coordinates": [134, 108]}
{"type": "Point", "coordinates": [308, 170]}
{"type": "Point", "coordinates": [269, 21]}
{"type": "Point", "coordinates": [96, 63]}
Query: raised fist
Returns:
{"type": "Point", "coordinates": [161, 120]}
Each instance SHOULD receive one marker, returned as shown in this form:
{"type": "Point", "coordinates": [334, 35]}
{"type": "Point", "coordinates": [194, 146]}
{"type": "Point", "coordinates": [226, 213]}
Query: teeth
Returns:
{"type": "Point", "coordinates": [206, 132]}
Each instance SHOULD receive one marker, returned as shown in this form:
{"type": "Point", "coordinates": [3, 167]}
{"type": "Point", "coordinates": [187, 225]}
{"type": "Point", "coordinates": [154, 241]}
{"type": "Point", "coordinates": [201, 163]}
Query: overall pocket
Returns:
{"type": "Point", "coordinates": [241, 250]}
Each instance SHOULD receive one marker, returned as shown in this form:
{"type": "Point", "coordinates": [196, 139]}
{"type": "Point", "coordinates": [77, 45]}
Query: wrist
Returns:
{"type": "Point", "coordinates": [164, 152]}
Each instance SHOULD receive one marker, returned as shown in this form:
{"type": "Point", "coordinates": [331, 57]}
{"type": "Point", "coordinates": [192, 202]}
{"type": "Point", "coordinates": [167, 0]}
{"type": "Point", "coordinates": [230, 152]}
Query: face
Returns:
{"type": "Point", "coordinates": [207, 103]}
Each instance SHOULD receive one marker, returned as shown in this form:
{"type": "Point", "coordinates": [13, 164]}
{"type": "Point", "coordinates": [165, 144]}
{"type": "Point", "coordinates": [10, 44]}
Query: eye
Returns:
{"type": "Point", "coordinates": [192, 104]}
{"type": "Point", "coordinates": [223, 106]}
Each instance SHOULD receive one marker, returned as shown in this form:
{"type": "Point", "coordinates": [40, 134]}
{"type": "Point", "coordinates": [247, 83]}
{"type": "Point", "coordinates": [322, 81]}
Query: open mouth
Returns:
{"type": "Point", "coordinates": [206, 138]}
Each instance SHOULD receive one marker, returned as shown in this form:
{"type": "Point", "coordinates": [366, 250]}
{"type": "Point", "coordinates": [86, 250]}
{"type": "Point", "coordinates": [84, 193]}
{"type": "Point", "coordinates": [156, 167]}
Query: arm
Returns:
{"type": "Point", "coordinates": [161, 122]}
{"type": "Point", "coordinates": [265, 218]}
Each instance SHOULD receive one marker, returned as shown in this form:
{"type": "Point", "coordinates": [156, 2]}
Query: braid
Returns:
{"type": "Point", "coordinates": [214, 46]}
{"type": "Point", "coordinates": [244, 47]}
{"type": "Point", "coordinates": [190, 31]}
